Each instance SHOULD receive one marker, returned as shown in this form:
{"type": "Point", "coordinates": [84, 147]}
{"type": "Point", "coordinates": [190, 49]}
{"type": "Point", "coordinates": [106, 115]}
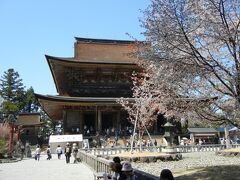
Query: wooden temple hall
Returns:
{"type": "Point", "coordinates": [89, 84]}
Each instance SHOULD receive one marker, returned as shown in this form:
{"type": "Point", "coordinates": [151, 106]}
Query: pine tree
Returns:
{"type": "Point", "coordinates": [12, 91]}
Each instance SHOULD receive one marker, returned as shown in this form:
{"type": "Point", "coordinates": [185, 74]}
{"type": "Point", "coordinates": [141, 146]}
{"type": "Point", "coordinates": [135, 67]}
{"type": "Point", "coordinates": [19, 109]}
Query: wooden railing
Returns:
{"type": "Point", "coordinates": [99, 164]}
{"type": "Point", "coordinates": [202, 148]}
{"type": "Point", "coordinates": [92, 157]}
{"type": "Point", "coordinates": [180, 149]}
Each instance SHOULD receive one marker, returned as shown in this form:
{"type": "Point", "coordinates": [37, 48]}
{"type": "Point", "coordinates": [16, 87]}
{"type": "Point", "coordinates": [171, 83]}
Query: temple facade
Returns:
{"type": "Point", "coordinates": [89, 84]}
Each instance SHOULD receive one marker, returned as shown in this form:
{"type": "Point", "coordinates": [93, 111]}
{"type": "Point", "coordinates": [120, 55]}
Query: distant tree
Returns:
{"type": "Point", "coordinates": [197, 43]}
{"type": "Point", "coordinates": [1, 109]}
{"type": "Point", "coordinates": [15, 98]}
{"type": "Point", "coordinates": [31, 103]}
{"type": "Point", "coordinates": [12, 91]}
{"type": "Point", "coordinates": [48, 127]}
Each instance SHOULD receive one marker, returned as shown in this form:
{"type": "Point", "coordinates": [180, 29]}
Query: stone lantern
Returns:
{"type": "Point", "coordinates": [170, 150]}
{"type": "Point", "coordinates": [168, 133]}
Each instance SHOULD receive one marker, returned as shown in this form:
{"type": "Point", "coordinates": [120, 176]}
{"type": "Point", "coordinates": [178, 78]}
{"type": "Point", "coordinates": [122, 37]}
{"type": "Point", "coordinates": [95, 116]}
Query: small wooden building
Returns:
{"type": "Point", "coordinates": [28, 124]}
{"type": "Point", "coordinates": [206, 135]}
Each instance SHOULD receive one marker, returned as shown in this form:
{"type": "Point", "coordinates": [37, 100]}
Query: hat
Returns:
{"type": "Point", "coordinates": [127, 167]}
{"type": "Point", "coordinates": [67, 144]}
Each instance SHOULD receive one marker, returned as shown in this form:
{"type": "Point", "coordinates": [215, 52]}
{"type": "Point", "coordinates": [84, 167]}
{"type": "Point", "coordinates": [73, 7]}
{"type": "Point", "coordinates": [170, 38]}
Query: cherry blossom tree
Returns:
{"type": "Point", "coordinates": [142, 108]}
{"type": "Point", "coordinates": [154, 94]}
{"type": "Point", "coordinates": [196, 48]}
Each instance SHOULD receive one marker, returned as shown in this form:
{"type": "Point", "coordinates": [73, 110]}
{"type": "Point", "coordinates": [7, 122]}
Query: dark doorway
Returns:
{"type": "Point", "coordinates": [89, 123]}
{"type": "Point", "coordinates": [161, 120]}
{"type": "Point", "coordinates": [107, 121]}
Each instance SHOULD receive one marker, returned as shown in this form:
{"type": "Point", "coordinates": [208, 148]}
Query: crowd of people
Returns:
{"type": "Point", "coordinates": [107, 132]}
{"type": "Point", "coordinates": [118, 170]}
{"type": "Point", "coordinates": [124, 171]}
{"type": "Point", "coordinates": [68, 152]}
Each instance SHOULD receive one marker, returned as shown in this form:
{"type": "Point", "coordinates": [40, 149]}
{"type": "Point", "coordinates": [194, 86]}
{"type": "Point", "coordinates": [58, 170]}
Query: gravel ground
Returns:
{"type": "Point", "coordinates": [194, 163]}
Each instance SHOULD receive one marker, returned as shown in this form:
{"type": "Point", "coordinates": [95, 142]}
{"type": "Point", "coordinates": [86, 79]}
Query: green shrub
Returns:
{"type": "Point", "coordinates": [3, 147]}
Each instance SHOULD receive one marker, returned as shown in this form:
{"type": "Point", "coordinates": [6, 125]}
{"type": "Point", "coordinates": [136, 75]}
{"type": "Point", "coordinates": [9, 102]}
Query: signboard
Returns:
{"type": "Point", "coordinates": [66, 138]}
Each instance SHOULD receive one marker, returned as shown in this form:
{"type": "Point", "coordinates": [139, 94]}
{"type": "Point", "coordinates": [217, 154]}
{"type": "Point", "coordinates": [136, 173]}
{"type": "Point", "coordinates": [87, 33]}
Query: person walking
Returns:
{"type": "Point", "coordinates": [68, 151]}
{"type": "Point", "coordinates": [37, 153]}
{"type": "Point", "coordinates": [75, 151]}
{"type": "Point", "coordinates": [49, 153]}
{"type": "Point", "coordinates": [59, 151]}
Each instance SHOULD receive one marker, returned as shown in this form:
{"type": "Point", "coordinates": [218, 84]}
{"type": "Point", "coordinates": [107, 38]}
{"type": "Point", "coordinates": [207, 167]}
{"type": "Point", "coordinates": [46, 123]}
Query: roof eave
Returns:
{"type": "Point", "coordinates": [104, 41]}
{"type": "Point", "coordinates": [54, 78]}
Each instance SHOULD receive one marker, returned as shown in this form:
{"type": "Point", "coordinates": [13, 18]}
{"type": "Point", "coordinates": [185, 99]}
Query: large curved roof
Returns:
{"type": "Point", "coordinates": [54, 105]}
{"type": "Point", "coordinates": [60, 67]}
{"type": "Point", "coordinates": [74, 61]}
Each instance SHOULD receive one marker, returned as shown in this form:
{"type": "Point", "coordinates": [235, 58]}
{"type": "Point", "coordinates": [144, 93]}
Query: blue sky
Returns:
{"type": "Point", "coordinates": [30, 29]}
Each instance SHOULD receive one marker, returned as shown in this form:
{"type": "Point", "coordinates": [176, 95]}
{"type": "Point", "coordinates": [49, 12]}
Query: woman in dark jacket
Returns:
{"type": "Point", "coordinates": [68, 151]}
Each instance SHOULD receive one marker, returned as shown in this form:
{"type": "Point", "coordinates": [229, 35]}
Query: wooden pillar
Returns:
{"type": "Point", "coordinates": [118, 120]}
{"type": "Point", "coordinates": [64, 121]}
{"type": "Point", "coordinates": [99, 120]}
{"type": "Point", "coordinates": [96, 119]}
{"type": "Point", "coordinates": [155, 127]}
{"type": "Point", "coordinates": [81, 121]}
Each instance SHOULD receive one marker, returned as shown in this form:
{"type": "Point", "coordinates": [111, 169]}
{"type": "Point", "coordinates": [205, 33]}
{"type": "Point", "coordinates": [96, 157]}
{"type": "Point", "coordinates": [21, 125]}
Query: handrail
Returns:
{"type": "Point", "coordinates": [180, 149]}
{"type": "Point", "coordinates": [92, 157]}
{"type": "Point", "coordinates": [99, 164]}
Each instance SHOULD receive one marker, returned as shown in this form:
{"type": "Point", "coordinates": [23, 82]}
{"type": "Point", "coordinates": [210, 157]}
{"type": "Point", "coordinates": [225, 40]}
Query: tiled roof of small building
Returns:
{"type": "Point", "coordinates": [202, 130]}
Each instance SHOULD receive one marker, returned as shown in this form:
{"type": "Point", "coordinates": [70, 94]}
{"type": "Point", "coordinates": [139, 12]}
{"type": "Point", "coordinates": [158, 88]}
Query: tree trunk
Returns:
{"type": "Point", "coordinates": [11, 139]}
{"type": "Point", "coordinates": [134, 131]}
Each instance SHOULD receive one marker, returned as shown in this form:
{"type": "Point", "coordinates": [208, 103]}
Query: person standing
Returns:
{"type": "Point", "coordinates": [155, 142]}
{"type": "Point", "coordinates": [67, 152]}
{"type": "Point", "coordinates": [37, 153]}
{"type": "Point", "coordinates": [22, 150]}
{"type": "Point", "coordinates": [59, 151]}
{"type": "Point", "coordinates": [28, 152]}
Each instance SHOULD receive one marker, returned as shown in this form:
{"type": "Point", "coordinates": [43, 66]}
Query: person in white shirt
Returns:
{"type": "Point", "coordinates": [74, 152]}
{"type": "Point", "coordinates": [37, 153]}
{"type": "Point", "coordinates": [59, 151]}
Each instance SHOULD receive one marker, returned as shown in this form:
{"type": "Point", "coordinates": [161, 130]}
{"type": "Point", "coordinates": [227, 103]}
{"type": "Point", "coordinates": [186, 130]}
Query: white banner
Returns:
{"type": "Point", "coordinates": [66, 138]}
